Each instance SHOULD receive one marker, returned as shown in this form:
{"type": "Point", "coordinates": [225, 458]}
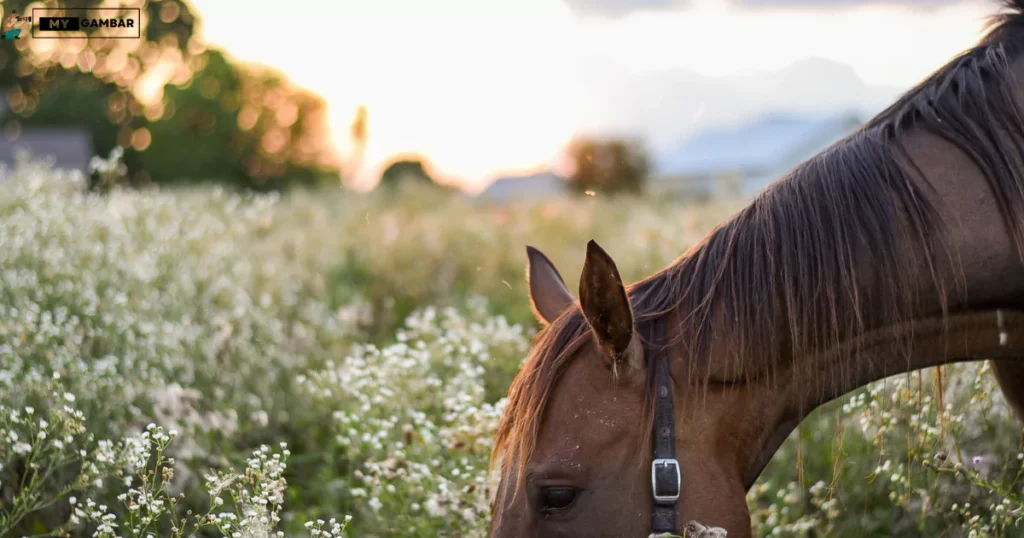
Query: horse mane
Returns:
{"type": "Point", "coordinates": [791, 262]}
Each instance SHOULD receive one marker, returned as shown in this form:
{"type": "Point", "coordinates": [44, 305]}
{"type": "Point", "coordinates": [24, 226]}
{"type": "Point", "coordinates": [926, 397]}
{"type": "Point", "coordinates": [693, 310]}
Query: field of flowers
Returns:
{"type": "Point", "coordinates": [202, 363]}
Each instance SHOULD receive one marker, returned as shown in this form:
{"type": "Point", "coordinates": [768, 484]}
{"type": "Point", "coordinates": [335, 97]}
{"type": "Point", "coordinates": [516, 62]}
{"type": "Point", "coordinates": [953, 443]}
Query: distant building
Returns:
{"type": "Point", "coordinates": [747, 158]}
{"type": "Point", "coordinates": [69, 147]}
{"type": "Point", "coordinates": [531, 187]}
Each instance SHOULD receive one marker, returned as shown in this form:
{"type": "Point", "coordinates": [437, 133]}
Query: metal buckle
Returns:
{"type": "Point", "coordinates": [671, 498]}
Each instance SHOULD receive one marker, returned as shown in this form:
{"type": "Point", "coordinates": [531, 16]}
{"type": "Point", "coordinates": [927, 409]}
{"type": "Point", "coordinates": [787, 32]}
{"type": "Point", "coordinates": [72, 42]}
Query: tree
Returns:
{"type": "Point", "coordinates": [411, 172]}
{"type": "Point", "coordinates": [357, 135]}
{"type": "Point", "coordinates": [90, 83]}
{"type": "Point", "coordinates": [111, 114]}
{"type": "Point", "coordinates": [216, 119]}
{"type": "Point", "coordinates": [405, 169]}
{"type": "Point", "coordinates": [608, 165]}
{"type": "Point", "coordinates": [242, 125]}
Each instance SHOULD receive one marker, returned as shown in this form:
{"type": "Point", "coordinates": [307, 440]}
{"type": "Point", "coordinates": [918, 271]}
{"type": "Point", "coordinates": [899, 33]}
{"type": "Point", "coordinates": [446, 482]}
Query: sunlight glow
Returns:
{"type": "Point", "coordinates": [485, 88]}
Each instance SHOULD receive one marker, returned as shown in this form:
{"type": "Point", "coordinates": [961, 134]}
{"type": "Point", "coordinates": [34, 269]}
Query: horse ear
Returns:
{"type": "Point", "coordinates": [606, 307]}
{"type": "Point", "coordinates": [549, 295]}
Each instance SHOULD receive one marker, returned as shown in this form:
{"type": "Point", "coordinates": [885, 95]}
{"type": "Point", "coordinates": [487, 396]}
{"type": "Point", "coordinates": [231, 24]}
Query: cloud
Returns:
{"type": "Point", "coordinates": [831, 4]}
{"type": "Point", "coordinates": [666, 107]}
{"type": "Point", "coordinates": [621, 8]}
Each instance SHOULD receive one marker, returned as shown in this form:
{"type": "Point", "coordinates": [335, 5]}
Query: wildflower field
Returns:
{"type": "Point", "coordinates": [203, 363]}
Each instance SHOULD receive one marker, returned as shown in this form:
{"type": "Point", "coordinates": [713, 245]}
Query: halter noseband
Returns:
{"type": "Point", "coordinates": [666, 481]}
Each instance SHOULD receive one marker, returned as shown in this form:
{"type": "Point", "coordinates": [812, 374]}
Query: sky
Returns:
{"type": "Point", "coordinates": [485, 88]}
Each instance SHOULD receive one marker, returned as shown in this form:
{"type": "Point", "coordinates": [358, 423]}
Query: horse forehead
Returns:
{"type": "Point", "coordinates": [587, 410]}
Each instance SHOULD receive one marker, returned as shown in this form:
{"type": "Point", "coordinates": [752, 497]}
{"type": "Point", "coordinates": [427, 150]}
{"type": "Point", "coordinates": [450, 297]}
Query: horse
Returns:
{"type": "Point", "coordinates": [898, 248]}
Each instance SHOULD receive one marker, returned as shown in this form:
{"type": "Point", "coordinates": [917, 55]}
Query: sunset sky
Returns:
{"type": "Point", "coordinates": [487, 87]}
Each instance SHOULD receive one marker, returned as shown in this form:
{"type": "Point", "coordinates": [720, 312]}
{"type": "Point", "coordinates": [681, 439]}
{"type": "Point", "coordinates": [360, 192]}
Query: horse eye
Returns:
{"type": "Point", "coordinates": [557, 498]}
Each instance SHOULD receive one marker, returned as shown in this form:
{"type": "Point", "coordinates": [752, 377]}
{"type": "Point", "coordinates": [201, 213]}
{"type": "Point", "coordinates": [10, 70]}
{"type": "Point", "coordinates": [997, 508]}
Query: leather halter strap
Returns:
{"type": "Point", "coordinates": [666, 481]}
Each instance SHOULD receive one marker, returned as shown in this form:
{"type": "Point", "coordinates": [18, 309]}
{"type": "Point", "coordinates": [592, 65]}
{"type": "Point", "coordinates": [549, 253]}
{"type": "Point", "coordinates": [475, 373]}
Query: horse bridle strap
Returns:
{"type": "Point", "coordinates": [666, 480]}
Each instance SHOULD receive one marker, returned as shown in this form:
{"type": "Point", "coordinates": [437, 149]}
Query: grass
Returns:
{"type": "Point", "coordinates": [197, 362]}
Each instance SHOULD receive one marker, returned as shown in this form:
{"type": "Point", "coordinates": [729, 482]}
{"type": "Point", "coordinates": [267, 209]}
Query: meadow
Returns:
{"type": "Point", "coordinates": [197, 362]}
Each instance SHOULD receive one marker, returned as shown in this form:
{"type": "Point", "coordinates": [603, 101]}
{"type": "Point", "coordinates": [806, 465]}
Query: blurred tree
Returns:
{"type": "Point", "coordinates": [409, 173]}
{"type": "Point", "coordinates": [110, 113]}
{"type": "Point", "coordinates": [402, 170]}
{"type": "Point", "coordinates": [215, 120]}
{"type": "Point", "coordinates": [611, 165]}
{"type": "Point", "coordinates": [358, 134]}
{"type": "Point", "coordinates": [93, 83]}
{"type": "Point", "coordinates": [359, 125]}
{"type": "Point", "coordinates": [242, 125]}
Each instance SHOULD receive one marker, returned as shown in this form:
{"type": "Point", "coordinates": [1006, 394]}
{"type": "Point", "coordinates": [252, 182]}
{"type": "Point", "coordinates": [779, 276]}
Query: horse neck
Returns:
{"type": "Point", "coordinates": [969, 301]}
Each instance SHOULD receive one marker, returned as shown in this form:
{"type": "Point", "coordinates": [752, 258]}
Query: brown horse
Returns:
{"type": "Point", "coordinates": [898, 248]}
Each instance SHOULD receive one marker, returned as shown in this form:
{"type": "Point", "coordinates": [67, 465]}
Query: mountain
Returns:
{"type": "Point", "coordinates": [672, 105]}
{"type": "Point", "coordinates": [770, 144]}
{"type": "Point", "coordinates": [746, 158]}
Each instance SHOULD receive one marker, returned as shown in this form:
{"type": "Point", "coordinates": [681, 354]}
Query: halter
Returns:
{"type": "Point", "coordinates": [666, 481]}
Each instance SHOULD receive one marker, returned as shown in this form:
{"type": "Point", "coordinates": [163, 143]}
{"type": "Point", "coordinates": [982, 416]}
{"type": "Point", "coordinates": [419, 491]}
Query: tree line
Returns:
{"type": "Point", "coordinates": [215, 119]}
{"type": "Point", "coordinates": [607, 165]}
